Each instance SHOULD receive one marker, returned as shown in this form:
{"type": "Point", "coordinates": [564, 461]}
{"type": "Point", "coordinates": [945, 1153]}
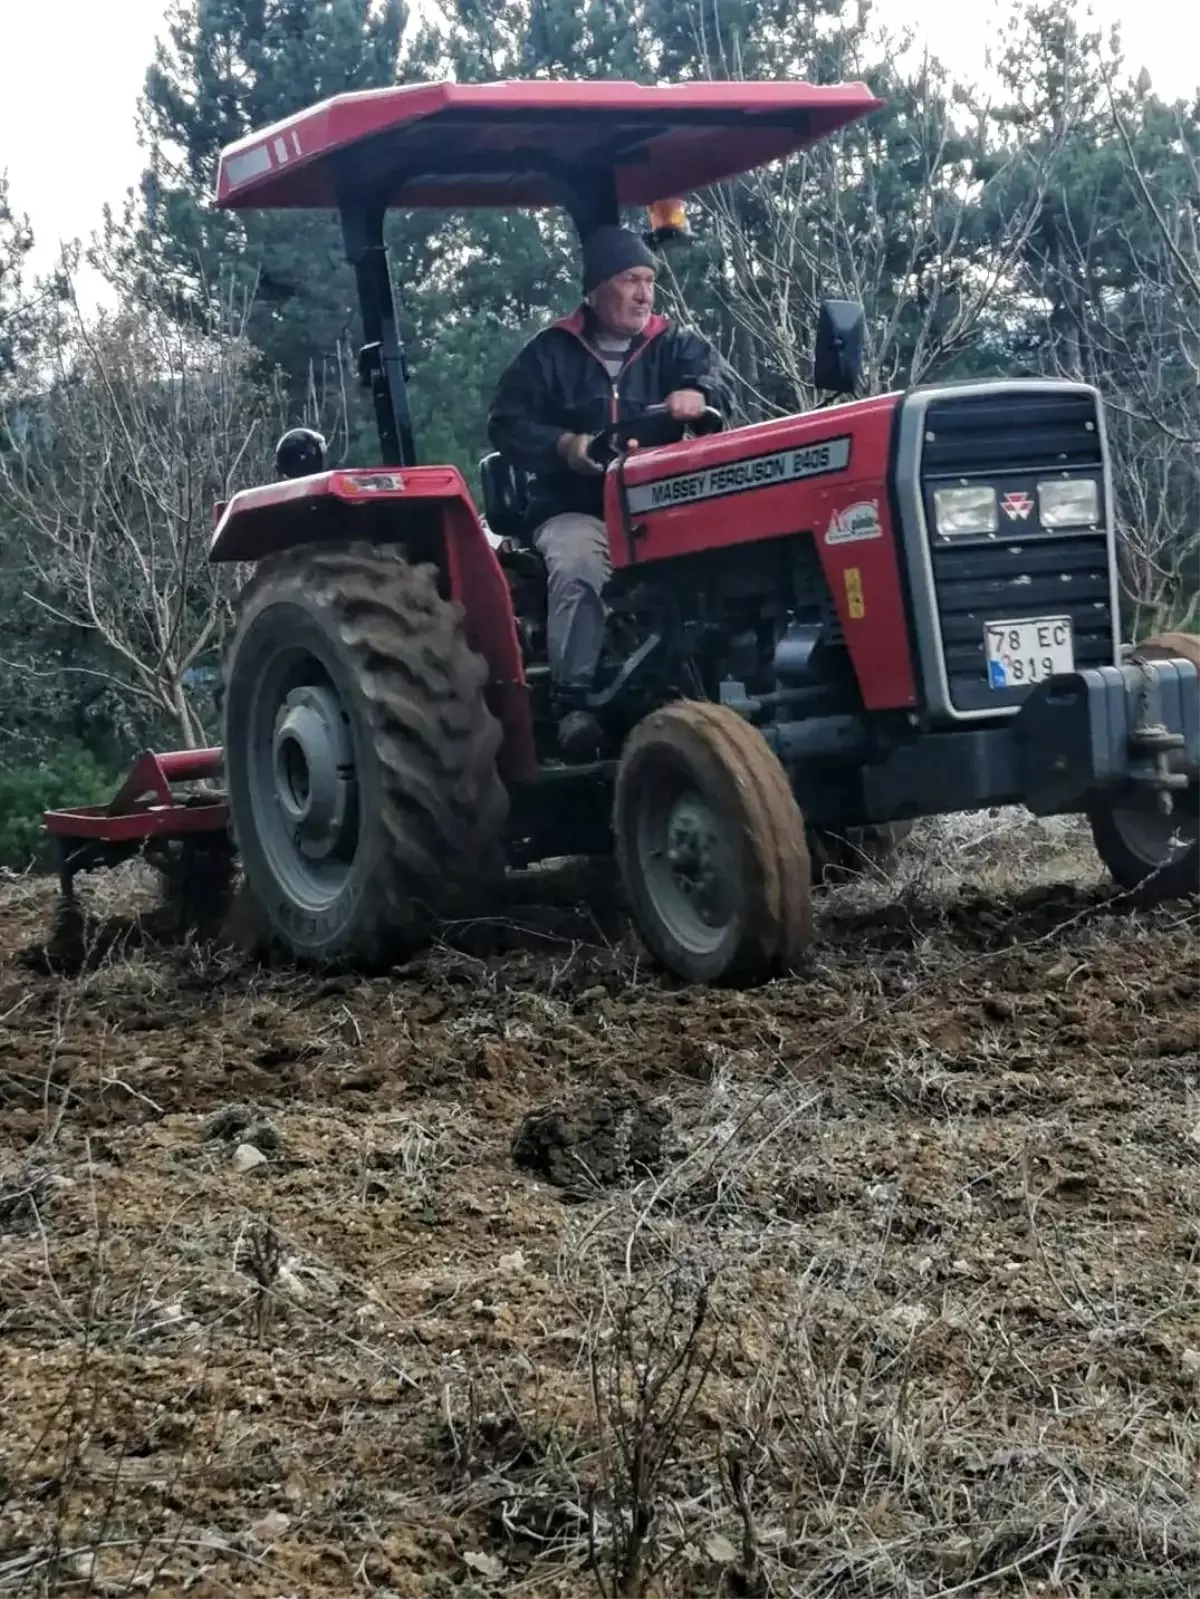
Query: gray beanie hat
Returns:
{"type": "Point", "coordinates": [610, 251]}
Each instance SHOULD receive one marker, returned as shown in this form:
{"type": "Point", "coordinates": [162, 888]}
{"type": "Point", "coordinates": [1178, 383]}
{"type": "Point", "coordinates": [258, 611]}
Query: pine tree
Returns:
{"type": "Point", "coordinates": [471, 288]}
{"type": "Point", "coordinates": [226, 68]}
{"type": "Point", "coordinates": [16, 241]}
{"type": "Point", "coordinates": [500, 276]}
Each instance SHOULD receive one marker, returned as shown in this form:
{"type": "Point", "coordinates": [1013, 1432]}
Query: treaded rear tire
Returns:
{"type": "Point", "coordinates": [430, 806]}
{"type": "Point", "coordinates": [711, 750]}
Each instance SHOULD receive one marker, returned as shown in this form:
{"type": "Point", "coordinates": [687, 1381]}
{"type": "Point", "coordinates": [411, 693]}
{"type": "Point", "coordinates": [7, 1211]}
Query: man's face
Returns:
{"type": "Point", "coordinates": [623, 304]}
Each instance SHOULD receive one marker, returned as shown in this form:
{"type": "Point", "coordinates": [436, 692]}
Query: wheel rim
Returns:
{"type": "Point", "coordinates": [1157, 838]}
{"type": "Point", "coordinates": [300, 766]}
{"type": "Point", "coordinates": [688, 864]}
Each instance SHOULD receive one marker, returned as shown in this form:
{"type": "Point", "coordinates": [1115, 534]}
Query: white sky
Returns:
{"type": "Point", "coordinates": [71, 72]}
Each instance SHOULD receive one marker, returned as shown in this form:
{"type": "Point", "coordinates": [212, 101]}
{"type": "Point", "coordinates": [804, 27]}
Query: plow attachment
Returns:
{"type": "Point", "coordinates": [146, 817]}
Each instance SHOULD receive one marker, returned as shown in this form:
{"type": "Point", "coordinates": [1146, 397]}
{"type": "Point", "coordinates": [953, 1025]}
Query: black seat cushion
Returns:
{"type": "Point", "coordinates": [505, 498]}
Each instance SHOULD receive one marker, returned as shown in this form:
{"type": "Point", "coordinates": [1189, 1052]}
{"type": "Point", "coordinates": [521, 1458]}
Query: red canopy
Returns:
{"type": "Point", "coordinates": [458, 146]}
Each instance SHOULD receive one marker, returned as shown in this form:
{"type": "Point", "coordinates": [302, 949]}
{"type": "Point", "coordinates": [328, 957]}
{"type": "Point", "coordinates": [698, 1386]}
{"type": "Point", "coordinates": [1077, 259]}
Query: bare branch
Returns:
{"type": "Point", "coordinates": [110, 482]}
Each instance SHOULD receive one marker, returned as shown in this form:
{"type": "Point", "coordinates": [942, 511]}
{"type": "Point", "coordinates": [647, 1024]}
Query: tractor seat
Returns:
{"type": "Point", "coordinates": [506, 499]}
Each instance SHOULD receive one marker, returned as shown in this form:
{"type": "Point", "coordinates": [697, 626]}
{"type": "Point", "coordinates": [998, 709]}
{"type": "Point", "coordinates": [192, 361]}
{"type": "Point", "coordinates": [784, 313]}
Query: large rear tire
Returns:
{"type": "Point", "coordinates": [360, 754]}
{"type": "Point", "coordinates": [1145, 849]}
{"type": "Point", "coordinates": [711, 847]}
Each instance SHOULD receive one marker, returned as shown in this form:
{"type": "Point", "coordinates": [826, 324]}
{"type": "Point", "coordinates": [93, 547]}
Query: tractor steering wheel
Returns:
{"type": "Point", "coordinates": [654, 427]}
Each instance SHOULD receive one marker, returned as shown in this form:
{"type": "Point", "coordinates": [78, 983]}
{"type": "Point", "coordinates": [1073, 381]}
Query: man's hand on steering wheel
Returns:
{"type": "Point", "coordinates": [662, 423]}
{"type": "Point", "coordinates": [686, 405]}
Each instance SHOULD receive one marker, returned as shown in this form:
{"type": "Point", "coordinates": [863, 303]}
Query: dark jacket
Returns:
{"type": "Point", "coordinates": [558, 384]}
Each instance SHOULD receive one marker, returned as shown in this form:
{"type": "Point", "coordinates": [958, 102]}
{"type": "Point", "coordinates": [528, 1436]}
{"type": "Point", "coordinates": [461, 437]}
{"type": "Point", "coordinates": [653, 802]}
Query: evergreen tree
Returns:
{"type": "Point", "coordinates": [226, 68]}
{"type": "Point", "coordinates": [16, 241]}
{"type": "Point", "coordinates": [470, 288]}
{"type": "Point", "coordinates": [501, 276]}
{"type": "Point", "coordinates": [1052, 72]}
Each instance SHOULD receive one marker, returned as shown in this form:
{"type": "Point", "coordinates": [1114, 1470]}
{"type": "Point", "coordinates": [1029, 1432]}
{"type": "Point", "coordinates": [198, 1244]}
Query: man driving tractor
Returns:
{"type": "Point", "coordinates": [606, 363]}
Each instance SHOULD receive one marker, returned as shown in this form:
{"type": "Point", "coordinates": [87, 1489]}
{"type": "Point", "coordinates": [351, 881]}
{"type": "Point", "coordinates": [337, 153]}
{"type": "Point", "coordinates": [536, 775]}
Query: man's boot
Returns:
{"type": "Point", "coordinates": [579, 732]}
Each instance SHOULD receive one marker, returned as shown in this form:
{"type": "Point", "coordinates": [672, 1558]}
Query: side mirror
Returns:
{"type": "Point", "coordinates": [838, 354]}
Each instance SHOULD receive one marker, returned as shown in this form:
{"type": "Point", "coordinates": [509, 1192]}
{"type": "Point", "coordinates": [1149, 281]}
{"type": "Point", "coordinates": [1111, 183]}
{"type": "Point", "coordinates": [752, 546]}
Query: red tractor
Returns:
{"type": "Point", "coordinates": [818, 626]}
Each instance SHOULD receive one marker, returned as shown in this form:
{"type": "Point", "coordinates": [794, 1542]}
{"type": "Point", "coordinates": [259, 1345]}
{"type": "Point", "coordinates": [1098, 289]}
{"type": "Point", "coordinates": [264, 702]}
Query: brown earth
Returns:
{"type": "Point", "coordinates": [882, 1281]}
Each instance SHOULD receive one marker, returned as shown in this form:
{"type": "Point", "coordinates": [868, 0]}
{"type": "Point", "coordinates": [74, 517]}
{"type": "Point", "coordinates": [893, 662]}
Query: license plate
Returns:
{"type": "Point", "coordinates": [1020, 653]}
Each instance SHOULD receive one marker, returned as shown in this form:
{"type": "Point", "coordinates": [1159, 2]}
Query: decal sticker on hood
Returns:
{"type": "Point", "coordinates": [855, 522]}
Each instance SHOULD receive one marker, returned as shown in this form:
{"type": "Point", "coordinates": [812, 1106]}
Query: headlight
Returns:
{"type": "Point", "coordinates": [1069, 502]}
{"type": "Point", "coordinates": [966, 510]}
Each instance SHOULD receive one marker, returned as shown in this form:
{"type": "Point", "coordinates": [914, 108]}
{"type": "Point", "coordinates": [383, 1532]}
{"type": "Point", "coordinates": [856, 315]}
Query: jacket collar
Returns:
{"type": "Point", "coordinates": [582, 323]}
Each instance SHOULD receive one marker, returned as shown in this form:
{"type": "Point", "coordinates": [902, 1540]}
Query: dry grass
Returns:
{"type": "Point", "coordinates": [909, 1305]}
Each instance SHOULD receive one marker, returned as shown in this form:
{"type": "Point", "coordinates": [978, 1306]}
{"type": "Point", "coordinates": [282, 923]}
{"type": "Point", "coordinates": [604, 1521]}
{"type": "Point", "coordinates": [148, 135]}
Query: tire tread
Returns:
{"type": "Point", "coordinates": [444, 805]}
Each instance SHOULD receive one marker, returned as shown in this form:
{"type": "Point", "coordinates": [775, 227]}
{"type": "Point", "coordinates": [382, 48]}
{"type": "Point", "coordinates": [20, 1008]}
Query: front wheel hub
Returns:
{"type": "Point", "coordinates": [313, 770]}
{"type": "Point", "coordinates": [695, 857]}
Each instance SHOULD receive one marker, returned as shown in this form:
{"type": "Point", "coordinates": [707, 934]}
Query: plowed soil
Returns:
{"type": "Point", "coordinates": [528, 1270]}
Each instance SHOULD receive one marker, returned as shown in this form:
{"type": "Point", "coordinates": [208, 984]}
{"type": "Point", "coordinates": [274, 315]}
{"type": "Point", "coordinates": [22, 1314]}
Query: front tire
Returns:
{"type": "Point", "coordinates": [711, 846]}
{"type": "Point", "coordinates": [360, 754]}
{"type": "Point", "coordinates": [1145, 850]}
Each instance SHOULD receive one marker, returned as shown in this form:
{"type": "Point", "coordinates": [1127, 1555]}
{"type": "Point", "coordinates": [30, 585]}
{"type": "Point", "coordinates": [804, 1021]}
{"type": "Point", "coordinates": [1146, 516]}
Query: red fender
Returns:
{"type": "Point", "coordinates": [426, 509]}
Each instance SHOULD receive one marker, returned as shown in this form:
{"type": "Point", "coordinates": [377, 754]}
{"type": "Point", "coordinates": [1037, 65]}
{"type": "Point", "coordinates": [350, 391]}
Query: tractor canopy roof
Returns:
{"type": "Point", "coordinates": [459, 146]}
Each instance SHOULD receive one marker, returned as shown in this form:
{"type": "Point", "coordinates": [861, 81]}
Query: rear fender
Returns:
{"type": "Point", "coordinates": [428, 512]}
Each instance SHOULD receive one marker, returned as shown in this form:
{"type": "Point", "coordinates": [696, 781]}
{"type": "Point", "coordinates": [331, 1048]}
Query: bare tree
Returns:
{"type": "Point", "coordinates": [1163, 502]}
{"type": "Point", "coordinates": [1157, 485]}
{"type": "Point", "coordinates": [902, 215]}
{"type": "Point", "coordinates": [110, 480]}
{"type": "Point", "coordinates": [1135, 344]}
{"type": "Point", "coordinates": [1173, 221]}
{"type": "Point", "coordinates": [1138, 340]}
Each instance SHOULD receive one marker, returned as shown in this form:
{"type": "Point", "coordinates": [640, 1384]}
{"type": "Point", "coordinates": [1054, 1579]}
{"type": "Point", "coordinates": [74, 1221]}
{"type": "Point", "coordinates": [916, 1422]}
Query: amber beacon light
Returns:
{"type": "Point", "coordinates": [668, 220]}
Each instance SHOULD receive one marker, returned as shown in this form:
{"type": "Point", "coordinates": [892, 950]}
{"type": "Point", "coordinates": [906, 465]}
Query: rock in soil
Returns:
{"type": "Point", "coordinates": [246, 1158]}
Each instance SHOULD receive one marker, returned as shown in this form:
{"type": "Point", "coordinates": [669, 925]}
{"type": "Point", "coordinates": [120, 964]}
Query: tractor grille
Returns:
{"type": "Point", "coordinates": [1023, 571]}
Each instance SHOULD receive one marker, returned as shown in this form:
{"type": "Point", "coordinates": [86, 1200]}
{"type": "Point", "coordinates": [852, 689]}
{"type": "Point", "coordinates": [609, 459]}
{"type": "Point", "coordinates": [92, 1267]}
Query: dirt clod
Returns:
{"type": "Point", "coordinates": [24, 1194]}
{"type": "Point", "coordinates": [228, 1122]}
{"type": "Point", "coordinates": [597, 1141]}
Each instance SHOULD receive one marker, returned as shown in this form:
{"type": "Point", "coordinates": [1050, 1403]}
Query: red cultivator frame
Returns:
{"type": "Point", "coordinates": [144, 817]}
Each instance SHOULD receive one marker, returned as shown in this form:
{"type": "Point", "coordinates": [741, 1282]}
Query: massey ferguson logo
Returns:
{"type": "Point", "coordinates": [1016, 505]}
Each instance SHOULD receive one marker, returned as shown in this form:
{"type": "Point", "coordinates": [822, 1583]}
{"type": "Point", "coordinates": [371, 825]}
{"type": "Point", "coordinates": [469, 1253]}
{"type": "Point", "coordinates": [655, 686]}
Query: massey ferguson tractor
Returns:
{"type": "Point", "coordinates": [819, 627]}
